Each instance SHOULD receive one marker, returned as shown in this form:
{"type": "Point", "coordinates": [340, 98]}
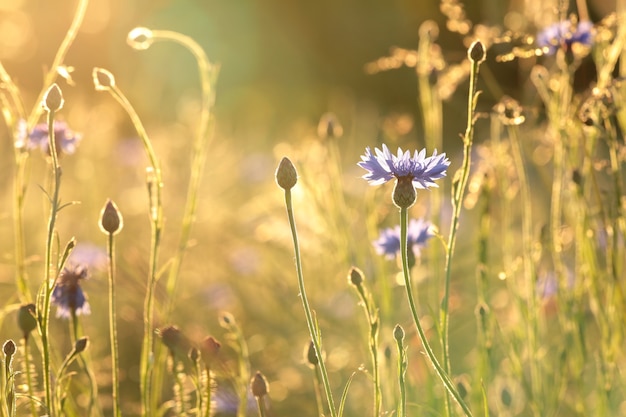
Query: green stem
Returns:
{"type": "Point", "coordinates": [260, 402]}
{"type": "Point", "coordinates": [208, 78]}
{"type": "Point", "coordinates": [207, 410]}
{"type": "Point", "coordinates": [113, 327]}
{"type": "Point", "coordinates": [373, 322]}
{"type": "Point", "coordinates": [29, 377]}
{"type": "Point", "coordinates": [459, 185]}
{"type": "Point", "coordinates": [402, 365]}
{"type": "Point", "coordinates": [313, 330]}
{"type": "Point", "coordinates": [49, 279]}
{"type": "Point", "coordinates": [155, 185]}
{"type": "Point", "coordinates": [441, 372]}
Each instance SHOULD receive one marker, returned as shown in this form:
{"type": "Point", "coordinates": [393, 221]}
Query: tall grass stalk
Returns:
{"type": "Point", "coordinates": [286, 177]}
{"type": "Point", "coordinates": [476, 55]}
{"type": "Point", "coordinates": [104, 81]}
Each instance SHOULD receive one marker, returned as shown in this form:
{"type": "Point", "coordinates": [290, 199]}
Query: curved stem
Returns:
{"type": "Point", "coordinates": [208, 78]}
{"type": "Point", "coordinates": [441, 372]}
{"type": "Point", "coordinates": [313, 330]}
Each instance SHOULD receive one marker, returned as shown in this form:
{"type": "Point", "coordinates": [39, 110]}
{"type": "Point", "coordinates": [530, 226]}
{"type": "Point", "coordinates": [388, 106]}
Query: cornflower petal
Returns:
{"type": "Point", "coordinates": [384, 166]}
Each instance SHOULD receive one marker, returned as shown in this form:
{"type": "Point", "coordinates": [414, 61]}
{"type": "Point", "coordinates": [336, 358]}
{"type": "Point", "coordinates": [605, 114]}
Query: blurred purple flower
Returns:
{"type": "Point", "coordinates": [384, 166]}
{"type": "Point", "coordinates": [90, 255]}
{"type": "Point", "coordinates": [564, 34]}
{"type": "Point", "coordinates": [66, 140]}
{"type": "Point", "coordinates": [388, 243]}
{"type": "Point", "coordinates": [68, 296]}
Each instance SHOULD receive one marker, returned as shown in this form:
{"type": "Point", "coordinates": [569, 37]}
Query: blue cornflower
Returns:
{"type": "Point", "coordinates": [68, 296]}
{"type": "Point", "coordinates": [564, 34]}
{"type": "Point", "coordinates": [388, 243]}
{"type": "Point", "coordinates": [420, 169]}
{"type": "Point", "coordinates": [66, 140]}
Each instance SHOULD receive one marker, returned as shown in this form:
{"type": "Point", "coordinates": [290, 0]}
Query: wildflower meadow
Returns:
{"type": "Point", "coordinates": [313, 208]}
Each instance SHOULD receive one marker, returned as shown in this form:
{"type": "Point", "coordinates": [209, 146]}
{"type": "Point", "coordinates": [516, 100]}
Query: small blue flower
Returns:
{"type": "Point", "coordinates": [66, 140]}
{"type": "Point", "coordinates": [388, 243]}
{"type": "Point", "coordinates": [564, 34]}
{"type": "Point", "coordinates": [384, 166]}
{"type": "Point", "coordinates": [68, 296]}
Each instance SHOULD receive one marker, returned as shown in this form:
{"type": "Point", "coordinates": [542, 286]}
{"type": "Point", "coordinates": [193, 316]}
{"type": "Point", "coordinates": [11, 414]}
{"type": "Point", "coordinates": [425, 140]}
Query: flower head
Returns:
{"type": "Point", "coordinates": [388, 243]}
{"type": "Point", "coordinates": [66, 139]}
{"type": "Point", "coordinates": [383, 166]}
{"type": "Point", "coordinates": [565, 34]}
{"type": "Point", "coordinates": [68, 296]}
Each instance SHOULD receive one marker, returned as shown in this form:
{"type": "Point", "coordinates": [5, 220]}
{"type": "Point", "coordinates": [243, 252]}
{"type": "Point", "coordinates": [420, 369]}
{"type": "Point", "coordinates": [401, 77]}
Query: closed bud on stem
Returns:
{"type": "Point", "coordinates": [398, 333]}
{"type": "Point", "coordinates": [286, 175]}
{"type": "Point", "coordinates": [140, 38]}
{"type": "Point", "coordinates": [9, 348]}
{"type": "Point", "coordinates": [81, 344]}
{"type": "Point", "coordinates": [310, 355]}
{"type": "Point", "coordinates": [404, 193]}
{"type": "Point", "coordinates": [53, 99]}
{"type": "Point", "coordinates": [259, 385]}
{"type": "Point", "coordinates": [26, 320]}
{"type": "Point", "coordinates": [103, 80]}
{"type": "Point", "coordinates": [171, 337]}
{"type": "Point", "coordinates": [476, 52]}
{"type": "Point", "coordinates": [355, 276]}
{"type": "Point", "coordinates": [111, 221]}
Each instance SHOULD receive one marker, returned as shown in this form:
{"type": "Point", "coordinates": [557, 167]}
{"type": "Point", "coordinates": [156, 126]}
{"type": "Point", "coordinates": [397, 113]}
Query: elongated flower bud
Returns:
{"type": "Point", "coordinates": [53, 100]}
{"type": "Point", "coordinates": [26, 320]}
{"type": "Point", "coordinates": [286, 175]}
{"type": "Point", "coordinates": [140, 38]}
{"type": "Point", "coordinates": [81, 344]}
{"type": "Point", "coordinates": [111, 221]}
{"type": "Point", "coordinates": [103, 80]}
{"type": "Point", "coordinates": [355, 276]}
{"type": "Point", "coordinates": [259, 385]}
{"type": "Point", "coordinates": [476, 52]}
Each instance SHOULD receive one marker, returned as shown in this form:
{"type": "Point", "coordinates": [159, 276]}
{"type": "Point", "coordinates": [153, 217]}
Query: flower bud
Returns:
{"type": "Point", "coordinates": [286, 175]}
{"type": "Point", "coordinates": [53, 99]}
{"type": "Point", "coordinates": [311, 356]}
{"type": "Point", "coordinates": [476, 52]}
{"type": "Point", "coordinates": [404, 193]}
{"type": "Point", "coordinates": [103, 80]}
{"type": "Point", "coordinates": [9, 348]}
{"type": "Point", "coordinates": [259, 385]}
{"type": "Point", "coordinates": [26, 318]}
{"type": "Point", "coordinates": [194, 355]}
{"type": "Point", "coordinates": [355, 276]}
{"type": "Point", "coordinates": [81, 344]}
{"type": "Point", "coordinates": [111, 221]}
{"type": "Point", "coordinates": [398, 333]}
{"type": "Point", "coordinates": [140, 38]}
{"type": "Point", "coordinates": [171, 337]}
